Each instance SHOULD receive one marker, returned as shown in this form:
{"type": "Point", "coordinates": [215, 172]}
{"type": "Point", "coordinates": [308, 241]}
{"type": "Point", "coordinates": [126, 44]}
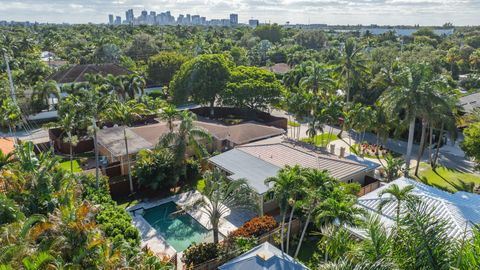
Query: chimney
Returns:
{"type": "Point", "coordinates": [332, 149]}
{"type": "Point", "coordinates": [342, 152]}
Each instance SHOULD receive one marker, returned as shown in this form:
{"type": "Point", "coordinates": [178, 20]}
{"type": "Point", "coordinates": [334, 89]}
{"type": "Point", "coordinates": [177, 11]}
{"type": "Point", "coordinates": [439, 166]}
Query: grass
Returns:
{"type": "Point", "coordinates": [321, 139]}
{"type": "Point", "coordinates": [446, 178]}
{"type": "Point", "coordinates": [66, 166]}
{"type": "Point", "coordinates": [293, 124]}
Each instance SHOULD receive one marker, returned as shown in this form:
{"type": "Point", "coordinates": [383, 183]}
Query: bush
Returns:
{"type": "Point", "coordinates": [200, 253]}
{"type": "Point", "coordinates": [255, 227]}
{"type": "Point", "coordinates": [114, 220]}
{"type": "Point", "coordinates": [156, 169]}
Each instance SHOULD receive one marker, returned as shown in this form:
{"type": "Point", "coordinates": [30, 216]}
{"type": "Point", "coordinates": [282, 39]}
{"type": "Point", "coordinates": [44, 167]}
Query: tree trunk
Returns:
{"type": "Point", "coordinates": [303, 233]}
{"type": "Point", "coordinates": [430, 141]}
{"type": "Point", "coordinates": [212, 112]}
{"type": "Point", "coordinates": [411, 131]}
{"type": "Point", "coordinates": [435, 157]}
{"type": "Point", "coordinates": [215, 232]}
{"type": "Point", "coordinates": [282, 231]}
{"type": "Point", "coordinates": [422, 146]}
{"type": "Point", "coordinates": [95, 144]}
{"type": "Point", "coordinates": [290, 227]}
{"type": "Point", "coordinates": [71, 151]}
{"type": "Point", "coordinates": [128, 159]}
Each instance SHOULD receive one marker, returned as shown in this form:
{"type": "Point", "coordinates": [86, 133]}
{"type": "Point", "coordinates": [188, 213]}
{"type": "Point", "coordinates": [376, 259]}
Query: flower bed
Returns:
{"type": "Point", "coordinates": [372, 150]}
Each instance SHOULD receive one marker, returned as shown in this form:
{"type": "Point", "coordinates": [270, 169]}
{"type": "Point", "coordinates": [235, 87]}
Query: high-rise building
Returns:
{"type": "Point", "coordinates": [188, 19]}
{"type": "Point", "coordinates": [233, 19]}
{"type": "Point", "coordinates": [129, 17]}
{"type": "Point", "coordinates": [203, 20]}
{"type": "Point", "coordinates": [196, 19]}
{"type": "Point", "coordinates": [110, 18]}
{"type": "Point", "coordinates": [118, 20]}
{"type": "Point", "coordinates": [253, 23]}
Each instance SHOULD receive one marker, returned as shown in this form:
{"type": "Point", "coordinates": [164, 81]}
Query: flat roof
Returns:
{"type": "Point", "coordinates": [242, 165]}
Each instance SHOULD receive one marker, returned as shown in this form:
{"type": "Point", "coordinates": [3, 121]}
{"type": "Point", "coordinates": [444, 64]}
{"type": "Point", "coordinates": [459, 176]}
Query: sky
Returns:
{"type": "Point", "coordinates": [382, 12]}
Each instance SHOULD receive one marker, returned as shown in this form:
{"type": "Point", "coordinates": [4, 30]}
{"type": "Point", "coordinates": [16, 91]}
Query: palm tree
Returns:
{"type": "Point", "coordinates": [68, 123]}
{"type": "Point", "coordinates": [43, 90]}
{"type": "Point", "coordinates": [169, 114]}
{"type": "Point", "coordinates": [392, 167]}
{"type": "Point", "coordinates": [10, 115]}
{"type": "Point", "coordinates": [220, 196]}
{"type": "Point", "coordinates": [338, 208]}
{"type": "Point", "coordinates": [318, 186]}
{"type": "Point", "coordinates": [125, 114]}
{"type": "Point", "coordinates": [188, 136]}
{"type": "Point", "coordinates": [135, 85]}
{"type": "Point", "coordinates": [410, 96]}
{"type": "Point", "coordinates": [377, 245]}
{"type": "Point", "coordinates": [398, 195]}
{"type": "Point", "coordinates": [283, 186]}
{"type": "Point", "coordinates": [317, 76]}
{"type": "Point", "coordinates": [5, 159]}
{"type": "Point", "coordinates": [352, 67]}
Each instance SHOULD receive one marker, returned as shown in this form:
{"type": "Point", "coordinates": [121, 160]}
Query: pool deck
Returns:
{"type": "Point", "coordinates": [155, 241]}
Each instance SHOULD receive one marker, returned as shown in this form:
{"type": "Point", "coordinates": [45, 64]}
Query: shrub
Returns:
{"type": "Point", "coordinates": [200, 253]}
{"type": "Point", "coordinates": [156, 169]}
{"type": "Point", "coordinates": [255, 227]}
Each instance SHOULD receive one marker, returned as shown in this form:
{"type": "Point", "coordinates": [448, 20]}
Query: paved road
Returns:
{"type": "Point", "coordinates": [450, 155]}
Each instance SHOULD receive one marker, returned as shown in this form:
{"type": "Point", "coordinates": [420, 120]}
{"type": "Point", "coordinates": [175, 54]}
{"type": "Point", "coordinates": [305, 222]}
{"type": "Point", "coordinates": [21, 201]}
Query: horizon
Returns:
{"type": "Point", "coordinates": [331, 12]}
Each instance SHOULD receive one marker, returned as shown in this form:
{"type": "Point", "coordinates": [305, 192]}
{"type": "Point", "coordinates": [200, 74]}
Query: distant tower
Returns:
{"type": "Point", "coordinates": [118, 20]}
{"type": "Point", "coordinates": [129, 16]}
{"type": "Point", "coordinates": [110, 19]}
{"type": "Point", "coordinates": [233, 19]}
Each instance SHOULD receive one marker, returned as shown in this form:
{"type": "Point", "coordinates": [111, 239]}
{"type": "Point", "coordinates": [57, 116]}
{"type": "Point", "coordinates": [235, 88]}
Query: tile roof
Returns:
{"type": "Point", "coordinates": [284, 153]}
{"type": "Point", "coordinates": [459, 209]}
{"type": "Point", "coordinates": [7, 145]}
{"type": "Point", "coordinates": [77, 73]}
{"type": "Point", "coordinates": [279, 68]}
{"type": "Point", "coordinates": [263, 257]}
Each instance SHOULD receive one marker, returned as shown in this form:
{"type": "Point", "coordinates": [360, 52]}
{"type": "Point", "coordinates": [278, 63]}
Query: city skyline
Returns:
{"type": "Point", "coordinates": [382, 12]}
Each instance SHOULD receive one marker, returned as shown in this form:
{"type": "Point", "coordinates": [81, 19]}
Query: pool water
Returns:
{"type": "Point", "coordinates": [179, 230]}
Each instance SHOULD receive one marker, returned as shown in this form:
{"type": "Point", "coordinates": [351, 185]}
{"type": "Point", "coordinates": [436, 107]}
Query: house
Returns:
{"type": "Point", "coordinates": [263, 257]}
{"type": "Point", "coordinates": [112, 143]}
{"type": "Point", "coordinates": [470, 102]}
{"type": "Point", "coordinates": [76, 74]}
{"type": "Point", "coordinates": [459, 210]}
{"type": "Point", "coordinates": [262, 159]}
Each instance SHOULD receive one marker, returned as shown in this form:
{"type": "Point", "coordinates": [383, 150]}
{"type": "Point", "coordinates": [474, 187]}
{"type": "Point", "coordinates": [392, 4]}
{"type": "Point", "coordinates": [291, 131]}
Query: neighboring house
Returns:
{"type": "Point", "coordinates": [52, 60]}
{"type": "Point", "coordinates": [260, 160]}
{"type": "Point", "coordinates": [459, 210]}
{"type": "Point", "coordinates": [112, 144]}
{"type": "Point", "coordinates": [279, 68]}
{"type": "Point", "coordinates": [470, 102]}
{"type": "Point", "coordinates": [76, 74]}
{"type": "Point", "coordinates": [263, 257]}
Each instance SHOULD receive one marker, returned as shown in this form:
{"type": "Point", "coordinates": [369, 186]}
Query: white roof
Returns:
{"type": "Point", "coordinates": [263, 257]}
{"type": "Point", "coordinates": [460, 210]}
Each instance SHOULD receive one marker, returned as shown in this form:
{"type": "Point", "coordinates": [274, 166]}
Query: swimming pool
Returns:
{"type": "Point", "coordinates": [178, 230]}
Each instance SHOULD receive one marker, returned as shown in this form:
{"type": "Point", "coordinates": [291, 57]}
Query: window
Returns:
{"type": "Point", "coordinates": [350, 181]}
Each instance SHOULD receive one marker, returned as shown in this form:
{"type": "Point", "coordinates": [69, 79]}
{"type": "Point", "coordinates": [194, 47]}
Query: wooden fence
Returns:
{"type": "Point", "coordinates": [268, 237]}
{"type": "Point", "coordinates": [368, 188]}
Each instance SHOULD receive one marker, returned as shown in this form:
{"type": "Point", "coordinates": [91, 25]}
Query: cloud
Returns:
{"type": "Point", "coordinates": [426, 12]}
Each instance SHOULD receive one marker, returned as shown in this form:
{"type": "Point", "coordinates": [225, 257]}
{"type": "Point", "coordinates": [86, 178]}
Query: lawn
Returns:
{"type": "Point", "coordinates": [453, 180]}
{"type": "Point", "coordinates": [66, 166]}
{"type": "Point", "coordinates": [293, 124]}
{"type": "Point", "coordinates": [321, 139]}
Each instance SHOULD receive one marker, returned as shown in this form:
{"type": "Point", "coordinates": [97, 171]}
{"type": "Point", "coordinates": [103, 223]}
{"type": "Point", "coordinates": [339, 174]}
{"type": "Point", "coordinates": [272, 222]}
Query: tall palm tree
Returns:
{"type": "Point", "coordinates": [339, 208]}
{"type": "Point", "coordinates": [169, 114]}
{"type": "Point", "coordinates": [411, 96]}
{"type": "Point", "coordinates": [220, 196]}
{"type": "Point", "coordinates": [396, 195]}
{"type": "Point", "coordinates": [352, 67]}
{"type": "Point", "coordinates": [68, 123]}
{"type": "Point", "coordinates": [284, 184]}
{"type": "Point", "coordinates": [318, 186]}
{"type": "Point", "coordinates": [188, 136]}
{"type": "Point", "coordinates": [125, 114]}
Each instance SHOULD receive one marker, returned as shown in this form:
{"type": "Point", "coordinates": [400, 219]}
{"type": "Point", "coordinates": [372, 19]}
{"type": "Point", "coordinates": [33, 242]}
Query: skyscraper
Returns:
{"type": "Point", "coordinates": [118, 20]}
{"type": "Point", "coordinates": [129, 16]}
{"type": "Point", "coordinates": [233, 19]}
{"type": "Point", "coordinates": [253, 23]}
{"type": "Point", "coordinates": [110, 19]}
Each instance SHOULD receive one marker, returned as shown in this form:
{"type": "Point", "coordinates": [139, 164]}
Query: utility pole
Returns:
{"type": "Point", "coordinates": [10, 79]}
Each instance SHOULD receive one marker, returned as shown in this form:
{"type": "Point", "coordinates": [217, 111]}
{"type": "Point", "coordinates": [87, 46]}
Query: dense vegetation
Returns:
{"type": "Point", "coordinates": [405, 87]}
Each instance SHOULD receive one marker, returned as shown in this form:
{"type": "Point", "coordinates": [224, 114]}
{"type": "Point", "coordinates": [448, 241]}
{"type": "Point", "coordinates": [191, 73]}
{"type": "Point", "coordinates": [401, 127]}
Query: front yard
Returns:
{"type": "Point", "coordinates": [446, 178]}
